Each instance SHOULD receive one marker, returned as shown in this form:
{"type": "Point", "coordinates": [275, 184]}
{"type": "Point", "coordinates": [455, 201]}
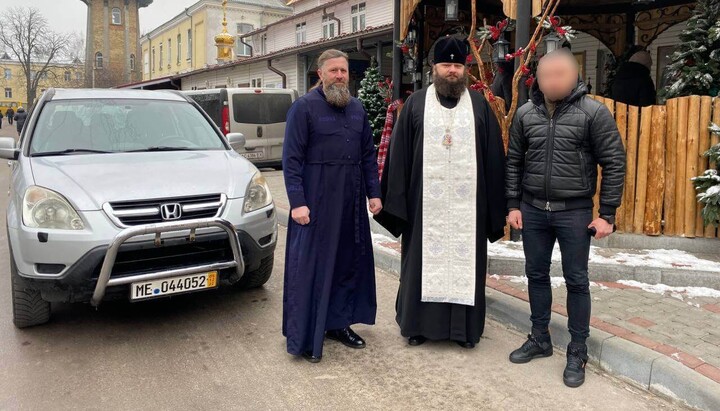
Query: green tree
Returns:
{"type": "Point", "coordinates": [373, 95]}
{"type": "Point", "coordinates": [708, 184]}
{"type": "Point", "coordinates": [695, 66]}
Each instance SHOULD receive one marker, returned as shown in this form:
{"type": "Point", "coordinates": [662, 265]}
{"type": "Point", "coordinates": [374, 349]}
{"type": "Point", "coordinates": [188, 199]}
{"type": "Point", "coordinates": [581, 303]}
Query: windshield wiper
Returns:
{"type": "Point", "coordinates": [70, 151]}
{"type": "Point", "coordinates": [160, 148]}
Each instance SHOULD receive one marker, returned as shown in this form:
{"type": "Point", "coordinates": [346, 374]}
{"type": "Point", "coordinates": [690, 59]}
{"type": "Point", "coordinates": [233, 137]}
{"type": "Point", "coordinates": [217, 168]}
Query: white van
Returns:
{"type": "Point", "coordinates": [258, 113]}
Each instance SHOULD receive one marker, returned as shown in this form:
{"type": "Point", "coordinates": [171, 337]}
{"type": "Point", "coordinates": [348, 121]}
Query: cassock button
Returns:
{"type": "Point", "coordinates": [346, 126]}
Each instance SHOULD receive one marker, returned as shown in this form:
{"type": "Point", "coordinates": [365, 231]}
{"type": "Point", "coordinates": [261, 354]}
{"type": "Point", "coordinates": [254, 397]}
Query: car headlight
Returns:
{"type": "Point", "coordinates": [257, 195]}
{"type": "Point", "coordinates": [43, 208]}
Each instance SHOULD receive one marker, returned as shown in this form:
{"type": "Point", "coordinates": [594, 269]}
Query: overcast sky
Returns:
{"type": "Point", "coordinates": [71, 15]}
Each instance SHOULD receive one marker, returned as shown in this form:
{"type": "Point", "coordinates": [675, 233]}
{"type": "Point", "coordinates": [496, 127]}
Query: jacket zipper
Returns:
{"type": "Point", "coordinates": [548, 157]}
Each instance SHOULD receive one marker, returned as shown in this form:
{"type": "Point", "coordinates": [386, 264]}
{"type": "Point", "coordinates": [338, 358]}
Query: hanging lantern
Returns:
{"type": "Point", "coordinates": [500, 49]}
{"type": "Point", "coordinates": [409, 65]}
{"type": "Point", "coordinates": [552, 42]}
{"type": "Point", "coordinates": [411, 38]}
{"type": "Point", "coordinates": [451, 10]}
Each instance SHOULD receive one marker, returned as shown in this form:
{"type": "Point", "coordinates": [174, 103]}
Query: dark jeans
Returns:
{"type": "Point", "coordinates": [540, 230]}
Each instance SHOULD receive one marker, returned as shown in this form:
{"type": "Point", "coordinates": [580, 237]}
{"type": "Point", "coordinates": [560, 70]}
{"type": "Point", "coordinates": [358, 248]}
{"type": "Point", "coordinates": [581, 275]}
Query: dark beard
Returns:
{"type": "Point", "coordinates": [447, 88]}
{"type": "Point", "coordinates": [337, 94]}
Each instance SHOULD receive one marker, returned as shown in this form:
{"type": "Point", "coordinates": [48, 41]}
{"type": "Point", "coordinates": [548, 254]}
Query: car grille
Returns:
{"type": "Point", "coordinates": [132, 213]}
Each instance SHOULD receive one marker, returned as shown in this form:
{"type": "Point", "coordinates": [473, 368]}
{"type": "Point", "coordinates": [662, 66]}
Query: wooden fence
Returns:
{"type": "Point", "coordinates": [665, 146]}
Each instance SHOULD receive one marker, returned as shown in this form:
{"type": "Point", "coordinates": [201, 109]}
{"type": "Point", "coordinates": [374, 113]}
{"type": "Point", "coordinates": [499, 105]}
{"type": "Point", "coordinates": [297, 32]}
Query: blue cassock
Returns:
{"type": "Point", "coordinates": [330, 166]}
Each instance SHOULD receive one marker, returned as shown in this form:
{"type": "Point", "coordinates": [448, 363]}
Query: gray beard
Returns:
{"type": "Point", "coordinates": [447, 88]}
{"type": "Point", "coordinates": [337, 94]}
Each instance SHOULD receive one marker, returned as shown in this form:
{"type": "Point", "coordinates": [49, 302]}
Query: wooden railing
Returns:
{"type": "Point", "coordinates": [665, 146]}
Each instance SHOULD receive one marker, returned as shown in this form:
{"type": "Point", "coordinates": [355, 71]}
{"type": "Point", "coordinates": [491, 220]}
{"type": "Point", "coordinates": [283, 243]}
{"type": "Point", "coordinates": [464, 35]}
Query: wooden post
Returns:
{"type": "Point", "coordinates": [703, 146]}
{"type": "Point", "coordinates": [621, 120]}
{"type": "Point", "coordinates": [642, 169]}
{"type": "Point", "coordinates": [693, 135]}
{"type": "Point", "coordinates": [670, 166]}
{"type": "Point", "coordinates": [656, 173]}
{"type": "Point", "coordinates": [681, 150]}
{"type": "Point", "coordinates": [715, 139]}
{"type": "Point", "coordinates": [631, 167]}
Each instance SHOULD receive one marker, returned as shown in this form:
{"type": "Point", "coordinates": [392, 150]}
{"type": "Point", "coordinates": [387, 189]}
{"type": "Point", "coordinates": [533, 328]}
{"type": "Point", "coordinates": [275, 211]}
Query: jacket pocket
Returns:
{"type": "Point", "coordinates": [583, 169]}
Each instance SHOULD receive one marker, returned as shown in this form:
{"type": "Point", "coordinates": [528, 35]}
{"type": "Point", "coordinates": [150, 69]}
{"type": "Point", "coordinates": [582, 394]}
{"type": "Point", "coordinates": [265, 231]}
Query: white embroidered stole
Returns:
{"type": "Point", "coordinates": [449, 202]}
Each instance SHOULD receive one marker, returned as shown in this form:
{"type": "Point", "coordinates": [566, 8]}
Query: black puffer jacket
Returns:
{"type": "Point", "coordinates": [552, 162]}
{"type": "Point", "coordinates": [20, 118]}
{"type": "Point", "coordinates": [633, 85]}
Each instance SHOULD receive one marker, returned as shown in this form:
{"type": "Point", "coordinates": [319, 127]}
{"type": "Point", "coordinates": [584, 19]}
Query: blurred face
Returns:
{"type": "Point", "coordinates": [557, 77]}
{"type": "Point", "coordinates": [449, 79]}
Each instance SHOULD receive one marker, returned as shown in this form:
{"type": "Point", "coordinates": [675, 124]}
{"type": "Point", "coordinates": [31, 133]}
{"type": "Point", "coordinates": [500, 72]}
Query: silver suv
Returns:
{"type": "Point", "coordinates": [133, 195]}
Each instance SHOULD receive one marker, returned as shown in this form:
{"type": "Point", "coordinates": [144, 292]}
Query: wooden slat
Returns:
{"type": "Point", "coordinates": [621, 121]}
{"type": "Point", "coordinates": [715, 139]}
{"type": "Point", "coordinates": [693, 135]}
{"type": "Point", "coordinates": [681, 150]}
{"type": "Point", "coordinates": [642, 169]}
{"type": "Point", "coordinates": [703, 145]}
{"type": "Point", "coordinates": [630, 176]}
{"type": "Point", "coordinates": [655, 173]}
{"type": "Point", "coordinates": [670, 166]}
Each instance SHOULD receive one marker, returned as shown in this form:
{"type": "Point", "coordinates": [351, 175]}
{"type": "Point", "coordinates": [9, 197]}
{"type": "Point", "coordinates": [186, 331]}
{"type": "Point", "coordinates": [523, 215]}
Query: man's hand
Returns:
{"type": "Point", "coordinates": [301, 215]}
{"type": "Point", "coordinates": [602, 228]}
{"type": "Point", "coordinates": [515, 219]}
{"type": "Point", "coordinates": [375, 205]}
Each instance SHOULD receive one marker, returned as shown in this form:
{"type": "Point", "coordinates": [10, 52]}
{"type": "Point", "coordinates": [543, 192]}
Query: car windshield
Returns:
{"type": "Point", "coordinates": [121, 125]}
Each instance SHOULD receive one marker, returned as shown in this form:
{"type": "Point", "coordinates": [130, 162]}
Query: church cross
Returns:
{"type": "Point", "coordinates": [452, 56]}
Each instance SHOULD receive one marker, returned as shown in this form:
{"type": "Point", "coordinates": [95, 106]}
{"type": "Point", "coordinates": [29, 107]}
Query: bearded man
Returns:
{"type": "Point", "coordinates": [442, 189]}
{"type": "Point", "coordinates": [330, 169]}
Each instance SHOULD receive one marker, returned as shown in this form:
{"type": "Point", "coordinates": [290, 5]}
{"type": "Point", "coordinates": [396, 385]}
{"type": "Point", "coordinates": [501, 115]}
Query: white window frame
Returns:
{"type": "Point", "coordinates": [99, 56]}
{"type": "Point", "coordinates": [169, 45]}
{"type": "Point", "coordinates": [189, 44]}
{"type": "Point", "coordinates": [256, 82]}
{"type": "Point", "coordinates": [328, 26]}
{"type": "Point", "coordinates": [179, 48]}
{"type": "Point", "coordinates": [67, 76]}
{"type": "Point", "coordinates": [8, 74]}
{"type": "Point", "coordinates": [146, 62]}
{"type": "Point", "coordinates": [152, 61]}
{"type": "Point", "coordinates": [242, 49]}
{"type": "Point", "coordinates": [132, 62]}
{"type": "Point", "coordinates": [300, 33]}
{"type": "Point", "coordinates": [116, 12]}
{"type": "Point", "coordinates": [160, 54]}
{"type": "Point", "coordinates": [263, 44]}
{"type": "Point", "coordinates": [357, 12]}
{"type": "Point", "coordinates": [8, 92]}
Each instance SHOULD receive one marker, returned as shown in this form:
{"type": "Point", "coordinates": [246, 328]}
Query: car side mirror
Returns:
{"type": "Point", "coordinates": [8, 150]}
{"type": "Point", "coordinates": [237, 140]}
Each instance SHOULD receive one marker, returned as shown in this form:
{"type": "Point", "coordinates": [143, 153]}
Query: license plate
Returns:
{"type": "Point", "coordinates": [175, 285]}
{"type": "Point", "coordinates": [253, 155]}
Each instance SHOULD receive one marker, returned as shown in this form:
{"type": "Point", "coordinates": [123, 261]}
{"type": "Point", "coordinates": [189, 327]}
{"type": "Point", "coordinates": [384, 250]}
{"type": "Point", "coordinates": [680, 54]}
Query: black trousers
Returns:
{"type": "Point", "coordinates": [541, 229]}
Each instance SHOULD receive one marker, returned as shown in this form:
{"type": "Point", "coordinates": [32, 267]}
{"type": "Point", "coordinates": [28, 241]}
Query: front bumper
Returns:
{"type": "Point", "coordinates": [92, 270]}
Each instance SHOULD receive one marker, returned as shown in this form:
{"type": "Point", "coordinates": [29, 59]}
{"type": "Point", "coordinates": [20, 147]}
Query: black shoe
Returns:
{"type": "Point", "coordinates": [308, 355]}
{"type": "Point", "coordinates": [346, 336]}
{"type": "Point", "coordinates": [417, 340]}
{"type": "Point", "coordinates": [466, 344]}
{"type": "Point", "coordinates": [531, 349]}
{"type": "Point", "coordinates": [577, 358]}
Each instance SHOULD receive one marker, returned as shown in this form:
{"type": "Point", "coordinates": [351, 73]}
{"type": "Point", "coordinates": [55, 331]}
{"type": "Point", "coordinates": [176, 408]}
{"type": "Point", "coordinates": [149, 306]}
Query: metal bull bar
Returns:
{"type": "Point", "coordinates": [105, 281]}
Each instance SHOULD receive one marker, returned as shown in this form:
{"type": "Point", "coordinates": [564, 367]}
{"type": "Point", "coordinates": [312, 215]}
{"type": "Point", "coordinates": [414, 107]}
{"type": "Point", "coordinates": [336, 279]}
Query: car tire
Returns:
{"type": "Point", "coordinates": [259, 277]}
{"type": "Point", "coordinates": [29, 308]}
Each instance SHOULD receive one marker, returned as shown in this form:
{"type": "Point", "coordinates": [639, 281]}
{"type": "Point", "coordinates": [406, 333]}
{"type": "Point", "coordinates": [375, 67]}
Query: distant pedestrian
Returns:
{"type": "Point", "coordinates": [9, 114]}
{"type": "Point", "coordinates": [20, 118]}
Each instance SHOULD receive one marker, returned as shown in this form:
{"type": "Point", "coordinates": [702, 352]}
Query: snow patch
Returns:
{"type": "Point", "coordinates": [675, 292]}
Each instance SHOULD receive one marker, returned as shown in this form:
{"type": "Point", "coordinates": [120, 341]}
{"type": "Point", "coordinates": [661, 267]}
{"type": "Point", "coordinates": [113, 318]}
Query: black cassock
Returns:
{"type": "Point", "coordinates": [402, 215]}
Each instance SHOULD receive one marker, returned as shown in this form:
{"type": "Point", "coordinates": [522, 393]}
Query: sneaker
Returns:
{"type": "Point", "coordinates": [531, 349]}
{"type": "Point", "coordinates": [577, 358]}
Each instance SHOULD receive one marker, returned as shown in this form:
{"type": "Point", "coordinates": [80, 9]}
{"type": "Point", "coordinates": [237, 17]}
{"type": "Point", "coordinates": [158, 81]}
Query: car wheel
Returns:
{"type": "Point", "coordinates": [259, 277]}
{"type": "Point", "coordinates": [29, 308]}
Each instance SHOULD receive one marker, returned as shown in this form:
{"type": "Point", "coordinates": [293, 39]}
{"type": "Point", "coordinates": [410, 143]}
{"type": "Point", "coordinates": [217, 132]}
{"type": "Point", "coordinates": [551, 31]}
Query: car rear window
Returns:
{"type": "Point", "coordinates": [264, 108]}
{"type": "Point", "coordinates": [211, 103]}
{"type": "Point", "coordinates": [119, 125]}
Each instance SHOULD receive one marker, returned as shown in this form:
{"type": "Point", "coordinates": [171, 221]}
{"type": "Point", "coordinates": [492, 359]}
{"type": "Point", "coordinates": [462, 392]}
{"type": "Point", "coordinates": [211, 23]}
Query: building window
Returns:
{"type": "Point", "coordinates": [256, 82]}
{"type": "Point", "coordinates": [169, 52]}
{"type": "Point", "coordinates": [78, 76]}
{"type": "Point", "coordinates": [300, 33]}
{"type": "Point", "coordinates": [8, 92]}
{"type": "Point", "coordinates": [243, 49]}
{"type": "Point", "coordinates": [8, 74]}
{"type": "Point", "coordinates": [189, 44]}
{"type": "Point", "coordinates": [132, 62]}
{"type": "Point", "coordinates": [98, 60]}
{"type": "Point", "coordinates": [358, 17]}
{"type": "Point", "coordinates": [179, 47]}
{"type": "Point", "coordinates": [328, 26]}
{"type": "Point", "coordinates": [67, 76]}
{"type": "Point", "coordinates": [161, 58]}
{"type": "Point", "coordinates": [146, 63]}
{"type": "Point", "coordinates": [152, 63]}
{"type": "Point", "coordinates": [116, 16]}
{"type": "Point", "coordinates": [263, 44]}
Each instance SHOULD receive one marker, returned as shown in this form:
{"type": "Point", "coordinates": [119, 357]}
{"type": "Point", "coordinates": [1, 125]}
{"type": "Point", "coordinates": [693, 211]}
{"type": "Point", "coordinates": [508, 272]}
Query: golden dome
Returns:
{"type": "Point", "coordinates": [225, 38]}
